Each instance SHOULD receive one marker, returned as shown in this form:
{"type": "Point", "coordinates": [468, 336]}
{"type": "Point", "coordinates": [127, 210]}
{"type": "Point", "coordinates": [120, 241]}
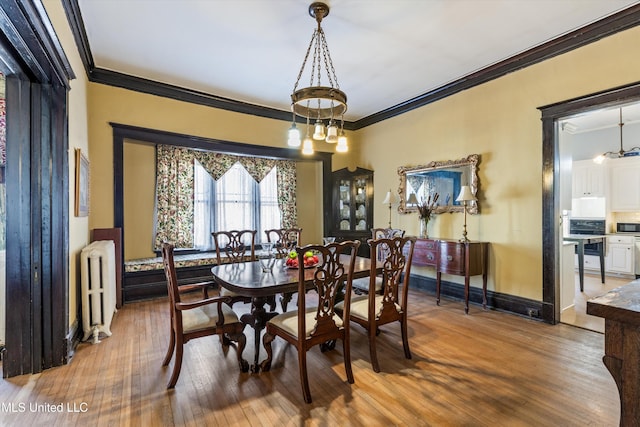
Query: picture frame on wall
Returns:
{"type": "Point", "coordinates": [82, 184]}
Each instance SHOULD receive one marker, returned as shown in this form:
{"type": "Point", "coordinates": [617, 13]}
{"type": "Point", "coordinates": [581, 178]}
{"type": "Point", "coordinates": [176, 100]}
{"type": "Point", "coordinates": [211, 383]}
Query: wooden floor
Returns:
{"type": "Point", "coordinates": [483, 369]}
{"type": "Point", "coordinates": [576, 315]}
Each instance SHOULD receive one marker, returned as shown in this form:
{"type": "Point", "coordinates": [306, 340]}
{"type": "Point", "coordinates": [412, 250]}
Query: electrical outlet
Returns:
{"type": "Point", "coordinates": [533, 312]}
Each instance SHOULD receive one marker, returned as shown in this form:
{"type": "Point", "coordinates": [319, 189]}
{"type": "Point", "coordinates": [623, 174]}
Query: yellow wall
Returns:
{"type": "Point", "coordinates": [78, 138]}
{"type": "Point", "coordinates": [139, 176]}
{"type": "Point", "coordinates": [309, 201]}
{"type": "Point", "coordinates": [500, 121]}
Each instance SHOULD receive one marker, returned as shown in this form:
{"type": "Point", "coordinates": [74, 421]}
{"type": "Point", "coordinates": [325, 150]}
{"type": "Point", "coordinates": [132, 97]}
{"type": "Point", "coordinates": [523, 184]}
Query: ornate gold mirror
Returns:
{"type": "Point", "coordinates": [445, 178]}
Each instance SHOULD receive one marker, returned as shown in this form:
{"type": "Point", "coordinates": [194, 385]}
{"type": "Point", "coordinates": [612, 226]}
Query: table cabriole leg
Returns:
{"type": "Point", "coordinates": [257, 320]}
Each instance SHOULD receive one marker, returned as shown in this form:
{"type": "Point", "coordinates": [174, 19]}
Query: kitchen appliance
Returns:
{"type": "Point", "coordinates": [628, 228]}
{"type": "Point", "coordinates": [591, 227]}
{"type": "Point", "coordinates": [632, 228]}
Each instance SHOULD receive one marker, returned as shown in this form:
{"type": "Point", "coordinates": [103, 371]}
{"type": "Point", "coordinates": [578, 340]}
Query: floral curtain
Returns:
{"type": "Point", "coordinates": [287, 184]}
{"type": "Point", "coordinates": [174, 188]}
{"type": "Point", "coordinates": [174, 196]}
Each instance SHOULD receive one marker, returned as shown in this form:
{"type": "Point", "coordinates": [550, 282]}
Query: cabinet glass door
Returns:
{"type": "Point", "coordinates": [361, 207]}
{"type": "Point", "coordinates": [344, 205]}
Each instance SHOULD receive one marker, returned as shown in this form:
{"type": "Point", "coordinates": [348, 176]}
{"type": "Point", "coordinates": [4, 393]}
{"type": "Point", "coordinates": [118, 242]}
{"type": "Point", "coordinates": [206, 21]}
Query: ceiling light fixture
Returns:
{"type": "Point", "coordinates": [622, 153]}
{"type": "Point", "coordinates": [318, 102]}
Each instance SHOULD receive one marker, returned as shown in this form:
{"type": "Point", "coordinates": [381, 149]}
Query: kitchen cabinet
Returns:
{"type": "Point", "coordinates": [591, 262]}
{"type": "Point", "coordinates": [588, 179]}
{"type": "Point", "coordinates": [352, 206]}
{"type": "Point", "coordinates": [620, 254]}
{"type": "Point", "coordinates": [625, 184]}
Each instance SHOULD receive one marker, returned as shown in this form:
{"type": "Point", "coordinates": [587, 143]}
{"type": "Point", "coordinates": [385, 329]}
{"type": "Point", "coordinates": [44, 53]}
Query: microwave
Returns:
{"type": "Point", "coordinates": [628, 227]}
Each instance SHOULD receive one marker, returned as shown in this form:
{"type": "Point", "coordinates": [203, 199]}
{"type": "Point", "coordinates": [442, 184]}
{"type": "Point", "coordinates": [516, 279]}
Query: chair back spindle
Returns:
{"type": "Point", "coordinates": [236, 245]}
{"type": "Point", "coordinates": [284, 239]}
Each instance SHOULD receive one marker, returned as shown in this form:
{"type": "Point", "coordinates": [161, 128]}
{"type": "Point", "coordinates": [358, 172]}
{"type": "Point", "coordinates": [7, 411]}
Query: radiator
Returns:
{"type": "Point", "coordinates": [98, 284]}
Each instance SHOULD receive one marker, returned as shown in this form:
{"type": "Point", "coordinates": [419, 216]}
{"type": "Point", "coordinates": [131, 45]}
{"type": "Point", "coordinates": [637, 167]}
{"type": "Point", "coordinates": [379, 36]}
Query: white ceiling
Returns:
{"type": "Point", "coordinates": [385, 52]}
{"type": "Point", "coordinates": [602, 119]}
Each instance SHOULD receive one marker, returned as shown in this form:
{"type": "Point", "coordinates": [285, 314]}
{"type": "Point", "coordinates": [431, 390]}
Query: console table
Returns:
{"type": "Point", "coordinates": [620, 308]}
{"type": "Point", "coordinates": [454, 257]}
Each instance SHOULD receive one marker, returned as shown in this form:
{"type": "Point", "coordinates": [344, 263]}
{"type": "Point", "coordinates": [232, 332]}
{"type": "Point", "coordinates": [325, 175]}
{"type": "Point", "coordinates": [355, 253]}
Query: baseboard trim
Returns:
{"type": "Point", "coordinates": [495, 300]}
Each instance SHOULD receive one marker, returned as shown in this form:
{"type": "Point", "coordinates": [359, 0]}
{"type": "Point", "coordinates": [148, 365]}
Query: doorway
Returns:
{"type": "Point", "coordinates": [552, 227]}
{"type": "Point", "coordinates": [585, 197]}
{"type": "Point", "coordinates": [37, 76]}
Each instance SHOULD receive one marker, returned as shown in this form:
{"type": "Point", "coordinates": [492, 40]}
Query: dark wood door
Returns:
{"type": "Point", "coordinates": [37, 190]}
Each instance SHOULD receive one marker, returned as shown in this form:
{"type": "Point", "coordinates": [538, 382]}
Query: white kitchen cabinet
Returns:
{"type": "Point", "coordinates": [625, 184]}
{"type": "Point", "coordinates": [591, 262]}
{"type": "Point", "coordinates": [588, 179]}
{"type": "Point", "coordinates": [620, 254]}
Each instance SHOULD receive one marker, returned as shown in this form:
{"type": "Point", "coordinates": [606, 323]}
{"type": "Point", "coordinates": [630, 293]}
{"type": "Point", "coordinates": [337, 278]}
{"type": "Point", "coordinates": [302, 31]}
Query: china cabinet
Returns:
{"type": "Point", "coordinates": [352, 206]}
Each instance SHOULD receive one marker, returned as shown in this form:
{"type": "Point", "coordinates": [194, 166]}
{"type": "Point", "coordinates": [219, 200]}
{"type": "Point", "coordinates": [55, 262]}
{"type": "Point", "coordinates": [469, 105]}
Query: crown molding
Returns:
{"type": "Point", "coordinates": [620, 21]}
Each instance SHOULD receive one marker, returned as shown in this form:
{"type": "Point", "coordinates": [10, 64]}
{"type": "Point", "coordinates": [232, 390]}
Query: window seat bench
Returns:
{"type": "Point", "coordinates": [144, 278]}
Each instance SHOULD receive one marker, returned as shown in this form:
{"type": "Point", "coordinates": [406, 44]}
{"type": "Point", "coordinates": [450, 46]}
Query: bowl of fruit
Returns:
{"type": "Point", "coordinates": [309, 259]}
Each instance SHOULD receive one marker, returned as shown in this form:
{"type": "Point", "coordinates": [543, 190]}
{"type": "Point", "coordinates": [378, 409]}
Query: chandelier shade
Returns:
{"type": "Point", "coordinates": [322, 99]}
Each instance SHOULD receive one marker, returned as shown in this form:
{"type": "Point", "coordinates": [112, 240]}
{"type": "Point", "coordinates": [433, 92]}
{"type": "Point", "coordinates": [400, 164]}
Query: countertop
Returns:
{"type": "Point", "coordinates": [585, 237]}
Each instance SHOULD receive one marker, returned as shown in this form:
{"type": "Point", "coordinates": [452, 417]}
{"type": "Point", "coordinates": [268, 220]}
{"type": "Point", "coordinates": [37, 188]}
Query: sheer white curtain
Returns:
{"type": "Point", "coordinates": [235, 197]}
{"type": "Point", "coordinates": [270, 215]}
{"type": "Point", "coordinates": [234, 202]}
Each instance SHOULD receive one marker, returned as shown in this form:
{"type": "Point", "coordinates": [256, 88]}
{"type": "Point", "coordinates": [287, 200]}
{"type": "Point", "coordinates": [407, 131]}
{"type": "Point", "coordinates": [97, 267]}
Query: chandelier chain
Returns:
{"type": "Point", "coordinates": [304, 62]}
{"type": "Point", "coordinates": [318, 102]}
{"type": "Point", "coordinates": [316, 60]}
{"type": "Point", "coordinates": [328, 63]}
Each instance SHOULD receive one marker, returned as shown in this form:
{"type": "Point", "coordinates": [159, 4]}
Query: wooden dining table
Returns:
{"type": "Point", "coordinates": [248, 279]}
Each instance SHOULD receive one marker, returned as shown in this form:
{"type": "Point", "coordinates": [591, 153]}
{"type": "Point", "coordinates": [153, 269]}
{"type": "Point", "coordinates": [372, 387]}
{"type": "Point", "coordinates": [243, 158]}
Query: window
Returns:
{"type": "Point", "coordinates": [234, 202]}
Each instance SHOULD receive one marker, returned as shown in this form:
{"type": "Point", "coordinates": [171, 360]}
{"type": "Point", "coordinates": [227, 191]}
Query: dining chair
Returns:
{"type": "Point", "coordinates": [374, 309]}
{"type": "Point", "coordinates": [237, 246]}
{"type": "Point", "coordinates": [361, 285]}
{"type": "Point", "coordinates": [195, 318]}
{"type": "Point", "coordinates": [284, 239]}
{"type": "Point", "coordinates": [318, 322]}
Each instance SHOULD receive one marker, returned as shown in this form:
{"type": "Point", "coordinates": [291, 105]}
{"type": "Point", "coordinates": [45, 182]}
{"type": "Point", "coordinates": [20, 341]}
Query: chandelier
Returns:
{"type": "Point", "coordinates": [622, 152]}
{"type": "Point", "coordinates": [318, 102]}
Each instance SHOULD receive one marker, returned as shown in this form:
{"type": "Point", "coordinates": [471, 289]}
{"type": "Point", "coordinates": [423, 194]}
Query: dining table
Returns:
{"type": "Point", "coordinates": [248, 279]}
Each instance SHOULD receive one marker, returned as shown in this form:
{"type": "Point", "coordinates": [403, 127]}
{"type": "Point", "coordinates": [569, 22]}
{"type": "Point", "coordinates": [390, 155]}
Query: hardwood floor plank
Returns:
{"type": "Point", "coordinates": [483, 369]}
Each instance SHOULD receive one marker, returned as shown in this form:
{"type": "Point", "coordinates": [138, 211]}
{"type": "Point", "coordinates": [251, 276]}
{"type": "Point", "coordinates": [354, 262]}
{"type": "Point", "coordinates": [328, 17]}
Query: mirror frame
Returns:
{"type": "Point", "coordinates": [471, 161]}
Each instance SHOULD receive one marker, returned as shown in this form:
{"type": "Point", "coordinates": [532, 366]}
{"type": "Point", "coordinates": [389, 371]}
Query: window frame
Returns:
{"type": "Point", "coordinates": [255, 200]}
